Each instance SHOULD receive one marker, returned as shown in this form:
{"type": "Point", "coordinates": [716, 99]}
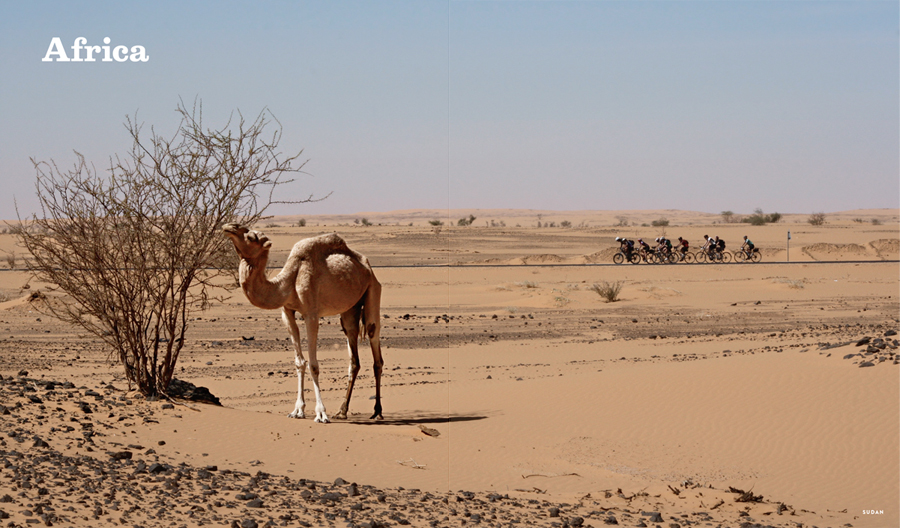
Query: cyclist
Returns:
{"type": "Point", "coordinates": [626, 246]}
{"type": "Point", "coordinates": [644, 249]}
{"type": "Point", "coordinates": [667, 245]}
{"type": "Point", "coordinates": [683, 247]}
{"type": "Point", "coordinates": [748, 245]}
{"type": "Point", "coordinates": [719, 246]}
{"type": "Point", "coordinates": [708, 245]}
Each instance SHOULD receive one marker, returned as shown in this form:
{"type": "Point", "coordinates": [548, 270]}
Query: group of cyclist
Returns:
{"type": "Point", "coordinates": [714, 247]}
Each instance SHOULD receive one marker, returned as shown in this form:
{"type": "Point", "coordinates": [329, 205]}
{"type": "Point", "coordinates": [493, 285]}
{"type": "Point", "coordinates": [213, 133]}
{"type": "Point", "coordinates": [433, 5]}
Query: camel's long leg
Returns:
{"type": "Point", "coordinates": [289, 318]}
{"type": "Point", "coordinates": [312, 334]}
{"type": "Point", "coordinates": [350, 326]}
{"type": "Point", "coordinates": [372, 318]}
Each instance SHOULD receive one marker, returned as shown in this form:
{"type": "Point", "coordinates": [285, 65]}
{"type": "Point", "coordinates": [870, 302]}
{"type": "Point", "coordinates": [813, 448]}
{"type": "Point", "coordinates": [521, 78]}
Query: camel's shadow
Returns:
{"type": "Point", "coordinates": [413, 418]}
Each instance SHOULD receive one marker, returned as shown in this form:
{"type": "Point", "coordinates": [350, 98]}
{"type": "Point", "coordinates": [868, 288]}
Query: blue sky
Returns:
{"type": "Point", "coordinates": [787, 106]}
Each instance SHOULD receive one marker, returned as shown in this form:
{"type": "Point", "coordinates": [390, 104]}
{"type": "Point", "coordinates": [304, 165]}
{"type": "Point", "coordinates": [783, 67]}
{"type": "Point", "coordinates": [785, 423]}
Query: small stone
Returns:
{"type": "Point", "coordinates": [554, 512]}
{"type": "Point", "coordinates": [340, 482]}
{"type": "Point", "coordinates": [39, 442]}
{"type": "Point", "coordinates": [654, 516]}
{"type": "Point", "coordinates": [255, 503]}
{"type": "Point", "coordinates": [866, 364]}
{"type": "Point", "coordinates": [121, 455]}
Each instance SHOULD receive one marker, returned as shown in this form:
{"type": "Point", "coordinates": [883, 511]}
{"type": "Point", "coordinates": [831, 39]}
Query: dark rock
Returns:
{"type": "Point", "coordinates": [255, 503]}
{"type": "Point", "coordinates": [654, 516]}
{"type": "Point", "coordinates": [121, 455]}
{"type": "Point", "coordinates": [168, 406]}
{"type": "Point", "coordinates": [890, 333]}
{"type": "Point", "coordinates": [340, 482]}
{"type": "Point", "coordinates": [866, 364]}
{"type": "Point", "coordinates": [34, 399]}
{"type": "Point", "coordinates": [554, 512]}
{"type": "Point", "coordinates": [188, 391]}
{"type": "Point", "coordinates": [863, 341]}
{"type": "Point", "coordinates": [849, 356]}
{"type": "Point", "coordinates": [353, 490]}
{"type": "Point", "coordinates": [156, 468]}
{"type": "Point", "coordinates": [39, 442]}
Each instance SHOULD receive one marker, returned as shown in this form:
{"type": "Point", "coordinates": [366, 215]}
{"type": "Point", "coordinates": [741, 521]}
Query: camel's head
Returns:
{"type": "Point", "coordinates": [250, 245]}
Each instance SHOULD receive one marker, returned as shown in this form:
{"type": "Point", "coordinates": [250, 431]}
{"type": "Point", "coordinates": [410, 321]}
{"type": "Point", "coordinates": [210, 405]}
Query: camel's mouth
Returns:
{"type": "Point", "coordinates": [232, 229]}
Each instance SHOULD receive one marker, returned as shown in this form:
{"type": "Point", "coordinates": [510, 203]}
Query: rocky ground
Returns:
{"type": "Point", "coordinates": [61, 468]}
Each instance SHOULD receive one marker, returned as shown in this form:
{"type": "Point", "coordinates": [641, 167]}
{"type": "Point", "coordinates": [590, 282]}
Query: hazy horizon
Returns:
{"type": "Point", "coordinates": [791, 107]}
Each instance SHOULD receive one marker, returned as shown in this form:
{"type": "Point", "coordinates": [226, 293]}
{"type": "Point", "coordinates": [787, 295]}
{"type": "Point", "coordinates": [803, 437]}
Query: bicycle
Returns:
{"type": "Point", "coordinates": [620, 257]}
{"type": "Point", "coordinates": [687, 257]}
{"type": "Point", "coordinates": [752, 256]}
{"type": "Point", "coordinates": [662, 257]}
{"type": "Point", "coordinates": [713, 257]}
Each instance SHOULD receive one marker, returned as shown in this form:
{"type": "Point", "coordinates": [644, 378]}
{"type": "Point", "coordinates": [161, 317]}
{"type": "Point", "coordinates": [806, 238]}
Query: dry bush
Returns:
{"type": "Point", "coordinates": [608, 290]}
{"type": "Point", "coordinates": [137, 251]}
{"type": "Point", "coordinates": [816, 219]}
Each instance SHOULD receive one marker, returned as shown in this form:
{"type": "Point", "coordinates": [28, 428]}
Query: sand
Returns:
{"type": "Point", "coordinates": [708, 395]}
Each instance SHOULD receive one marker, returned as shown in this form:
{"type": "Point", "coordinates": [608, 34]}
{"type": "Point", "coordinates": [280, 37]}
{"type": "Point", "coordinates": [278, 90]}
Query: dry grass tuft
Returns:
{"type": "Point", "coordinates": [608, 290]}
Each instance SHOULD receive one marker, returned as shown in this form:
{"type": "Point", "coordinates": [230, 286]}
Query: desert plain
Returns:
{"type": "Point", "coordinates": [723, 395]}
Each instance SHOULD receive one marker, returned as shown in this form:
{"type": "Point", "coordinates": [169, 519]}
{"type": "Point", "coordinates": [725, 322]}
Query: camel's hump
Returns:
{"type": "Point", "coordinates": [330, 242]}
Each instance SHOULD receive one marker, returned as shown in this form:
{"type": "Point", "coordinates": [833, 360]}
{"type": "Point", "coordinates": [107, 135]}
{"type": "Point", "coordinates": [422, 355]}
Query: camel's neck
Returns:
{"type": "Point", "coordinates": [260, 291]}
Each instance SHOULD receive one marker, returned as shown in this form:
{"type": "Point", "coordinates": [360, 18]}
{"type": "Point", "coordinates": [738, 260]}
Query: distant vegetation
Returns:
{"type": "Point", "coordinates": [466, 221]}
{"type": "Point", "coordinates": [816, 219]}
{"type": "Point", "coordinates": [759, 218]}
{"type": "Point", "coordinates": [661, 222]}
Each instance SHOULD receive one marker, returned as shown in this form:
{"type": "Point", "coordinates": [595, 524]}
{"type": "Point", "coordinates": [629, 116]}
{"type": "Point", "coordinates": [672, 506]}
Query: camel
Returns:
{"type": "Point", "coordinates": [321, 277]}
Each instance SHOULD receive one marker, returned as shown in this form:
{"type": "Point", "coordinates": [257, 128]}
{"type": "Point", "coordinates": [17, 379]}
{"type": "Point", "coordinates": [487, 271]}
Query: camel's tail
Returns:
{"type": "Point", "coordinates": [370, 314]}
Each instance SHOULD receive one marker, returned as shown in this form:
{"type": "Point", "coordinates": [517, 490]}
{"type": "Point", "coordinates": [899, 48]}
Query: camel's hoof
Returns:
{"type": "Point", "coordinates": [376, 416]}
{"type": "Point", "coordinates": [322, 419]}
{"type": "Point", "coordinates": [339, 416]}
{"type": "Point", "coordinates": [296, 414]}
